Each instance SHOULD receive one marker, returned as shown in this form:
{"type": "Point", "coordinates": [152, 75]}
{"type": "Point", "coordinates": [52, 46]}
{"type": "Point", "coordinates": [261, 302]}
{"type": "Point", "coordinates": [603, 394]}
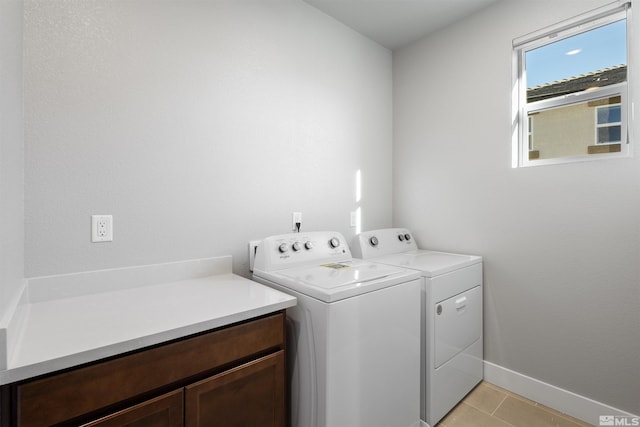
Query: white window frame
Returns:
{"type": "Point", "coordinates": [521, 109]}
{"type": "Point", "coordinates": [608, 124]}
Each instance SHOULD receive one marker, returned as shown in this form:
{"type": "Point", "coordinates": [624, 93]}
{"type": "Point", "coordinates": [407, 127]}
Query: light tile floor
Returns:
{"type": "Point", "coordinates": [491, 406]}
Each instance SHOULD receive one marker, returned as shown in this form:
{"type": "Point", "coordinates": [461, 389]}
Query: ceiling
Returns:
{"type": "Point", "coordinates": [395, 23]}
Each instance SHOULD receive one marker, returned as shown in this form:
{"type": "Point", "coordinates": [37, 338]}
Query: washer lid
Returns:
{"type": "Point", "coordinates": [430, 263]}
{"type": "Point", "coordinates": [335, 281]}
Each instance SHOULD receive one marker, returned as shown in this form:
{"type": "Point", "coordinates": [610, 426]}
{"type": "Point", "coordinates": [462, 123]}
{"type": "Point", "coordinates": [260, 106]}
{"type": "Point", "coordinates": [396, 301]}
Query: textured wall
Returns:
{"type": "Point", "coordinates": [11, 153]}
{"type": "Point", "coordinates": [561, 243]}
{"type": "Point", "coordinates": [198, 125]}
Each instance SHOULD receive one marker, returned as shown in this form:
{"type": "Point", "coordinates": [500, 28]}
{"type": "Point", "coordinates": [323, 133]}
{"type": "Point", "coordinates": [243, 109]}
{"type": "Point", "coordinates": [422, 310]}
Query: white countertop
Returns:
{"type": "Point", "coordinates": [64, 332]}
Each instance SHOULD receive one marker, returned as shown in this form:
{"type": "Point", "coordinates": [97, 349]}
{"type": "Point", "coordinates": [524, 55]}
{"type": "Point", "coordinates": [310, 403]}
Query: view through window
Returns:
{"type": "Point", "coordinates": [573, 91]}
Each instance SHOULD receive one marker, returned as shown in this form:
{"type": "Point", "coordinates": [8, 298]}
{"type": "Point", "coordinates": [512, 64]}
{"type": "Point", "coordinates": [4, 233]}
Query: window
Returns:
{"type": "Point", "coordinates": [572, 78]}
{"type": "Point", "coordinates": [609, 124]}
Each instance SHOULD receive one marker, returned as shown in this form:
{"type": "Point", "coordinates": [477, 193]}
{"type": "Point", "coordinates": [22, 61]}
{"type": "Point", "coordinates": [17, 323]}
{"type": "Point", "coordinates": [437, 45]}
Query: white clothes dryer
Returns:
{"type": "Point", "coordinates": [353, 337]}
{"type": "Point", "coordinates": [452, 341]}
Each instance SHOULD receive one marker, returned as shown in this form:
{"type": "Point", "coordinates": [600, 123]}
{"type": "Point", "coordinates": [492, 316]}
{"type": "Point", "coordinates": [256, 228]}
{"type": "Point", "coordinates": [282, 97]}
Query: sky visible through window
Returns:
{"type": "Point", "coordinates": [593, 50]}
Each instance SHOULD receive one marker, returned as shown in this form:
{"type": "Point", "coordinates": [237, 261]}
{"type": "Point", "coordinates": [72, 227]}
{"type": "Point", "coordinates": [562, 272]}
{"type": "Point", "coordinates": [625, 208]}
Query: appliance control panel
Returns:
{"type": "Point", "coordinates": [369, 244]}
{"type": "Point", "coordinates": [299, 249]}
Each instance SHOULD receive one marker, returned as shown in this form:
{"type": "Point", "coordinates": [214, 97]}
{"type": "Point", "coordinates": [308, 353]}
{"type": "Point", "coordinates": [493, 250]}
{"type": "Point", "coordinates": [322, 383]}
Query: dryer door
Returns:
{"type": "Point", "coordinates": [458, 324]}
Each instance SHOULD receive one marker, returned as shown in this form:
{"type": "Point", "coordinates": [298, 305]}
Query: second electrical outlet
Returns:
{"type": "Point", "coordinates": [297, 221]}
{"type": "Point", "coordinates": [101, 228]}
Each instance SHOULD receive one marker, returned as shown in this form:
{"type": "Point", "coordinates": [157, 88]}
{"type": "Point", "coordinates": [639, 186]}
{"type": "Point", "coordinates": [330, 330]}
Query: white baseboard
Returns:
{"type": "Point", "coordinates": [567, 402]}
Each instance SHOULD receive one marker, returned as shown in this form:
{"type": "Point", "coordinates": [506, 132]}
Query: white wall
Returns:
{"type": "Point", "coordinates": [11, 153]}
{"type": "Point", "coordinates": [561, 243]}
{"type": "Point", "coordinates": [198, 125]}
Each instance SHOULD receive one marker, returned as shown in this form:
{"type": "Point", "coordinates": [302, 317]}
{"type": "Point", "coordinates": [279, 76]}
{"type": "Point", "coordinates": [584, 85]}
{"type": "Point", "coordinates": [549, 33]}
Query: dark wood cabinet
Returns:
{"type": "Point", "coordinates": [232, 376]}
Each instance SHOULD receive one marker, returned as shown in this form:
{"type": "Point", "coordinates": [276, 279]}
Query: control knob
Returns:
{"type": "Point", "coordinates": [282, 248]}
{"type": "Point", "coordinates": [334, 242]}
{"type": "Point", "coordinates": [373, 241]}
{"type": "Point", "coordinates": [308, 245]}
{"type": "Point", "coordinates": [401, 237]}
{"type": "Point", "coordinates": [407, 237]}
{"type": "Point", "coordinates": [296, 246]}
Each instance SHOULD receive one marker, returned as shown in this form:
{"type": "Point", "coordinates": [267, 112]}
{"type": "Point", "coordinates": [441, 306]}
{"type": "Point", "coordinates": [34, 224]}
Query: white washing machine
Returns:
{"type": "Point", "coordinates": [353, 337]}
{"type": "Point", "coordinates": [452, 344]}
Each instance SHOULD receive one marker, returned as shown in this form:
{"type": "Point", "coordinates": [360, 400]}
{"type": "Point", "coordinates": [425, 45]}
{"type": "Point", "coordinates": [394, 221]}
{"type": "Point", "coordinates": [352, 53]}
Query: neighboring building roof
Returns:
{"type": "Point", "coordinates": [599, 78]}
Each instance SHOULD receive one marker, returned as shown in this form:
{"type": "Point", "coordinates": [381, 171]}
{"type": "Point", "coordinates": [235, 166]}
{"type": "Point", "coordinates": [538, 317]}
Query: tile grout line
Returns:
{"type": "Point", "coordinates": [499, 404]}
{"type": "Point", "coordinates": [498, 407]}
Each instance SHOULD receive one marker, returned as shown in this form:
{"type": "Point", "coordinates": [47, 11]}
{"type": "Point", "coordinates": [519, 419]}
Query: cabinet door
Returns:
{"type": "Point", "coordinates": [163, 411]}
{"type": "Point", "coordinates": [252, 394]}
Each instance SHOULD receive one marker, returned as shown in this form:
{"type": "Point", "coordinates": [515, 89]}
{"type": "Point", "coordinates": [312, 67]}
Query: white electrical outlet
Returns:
{"type": "Point", "coordinates": [101, 228]}
{"type": "Point", "coordinates": [296, 219]}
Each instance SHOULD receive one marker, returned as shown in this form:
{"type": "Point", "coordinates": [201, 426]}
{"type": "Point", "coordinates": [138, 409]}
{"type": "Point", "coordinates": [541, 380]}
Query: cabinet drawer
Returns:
{"type": "Point", "coordinates": [164, 411]}
{"type": "Point", "coordinates": [71, 394]}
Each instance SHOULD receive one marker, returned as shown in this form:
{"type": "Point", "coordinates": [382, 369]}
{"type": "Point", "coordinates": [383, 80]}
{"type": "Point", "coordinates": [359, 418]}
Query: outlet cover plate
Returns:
{"type": "Point", "coordinates": [101, 228]}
